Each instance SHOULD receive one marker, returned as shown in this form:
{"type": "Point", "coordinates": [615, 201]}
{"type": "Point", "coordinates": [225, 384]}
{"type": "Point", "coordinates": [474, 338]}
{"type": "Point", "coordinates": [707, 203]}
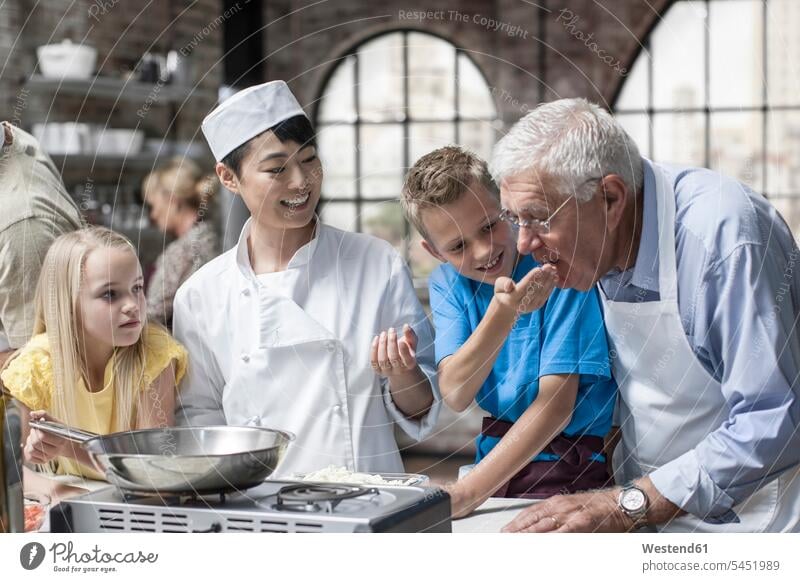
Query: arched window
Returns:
{"type": "Point", "coordinates": [717, 84]}
{"type": "Point", "coordinates": [389, 101]}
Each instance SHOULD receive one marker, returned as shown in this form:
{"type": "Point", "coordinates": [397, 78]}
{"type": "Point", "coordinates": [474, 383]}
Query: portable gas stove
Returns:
{"type": "Point", "coordinates": [273, 506]}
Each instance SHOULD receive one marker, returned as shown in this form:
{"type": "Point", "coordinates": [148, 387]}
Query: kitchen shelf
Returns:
{"type": "Point", "coordinates": [143, 161]}
{"type": "Point", "coordinates": [113, 88]}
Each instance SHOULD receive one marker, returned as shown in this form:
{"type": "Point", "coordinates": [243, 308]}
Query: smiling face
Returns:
{"type": "Point", "coordinates": [576, 242]}
{"type": "Point", "coordinates": [279, 182]}
{"type": "Point", "coordinates": [111, 302]}
{"type": "Point", "coordinates": [468, 234]}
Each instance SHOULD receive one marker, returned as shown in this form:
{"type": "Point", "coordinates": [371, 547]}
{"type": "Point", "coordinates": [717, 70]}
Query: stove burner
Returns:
{"type": "Point", "coordinates": [315, 498]}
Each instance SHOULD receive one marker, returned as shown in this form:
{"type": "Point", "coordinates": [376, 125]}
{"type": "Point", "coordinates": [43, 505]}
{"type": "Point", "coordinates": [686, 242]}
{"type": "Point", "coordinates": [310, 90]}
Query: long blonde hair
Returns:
{"type": "Point", "coordinates": [57, 315]}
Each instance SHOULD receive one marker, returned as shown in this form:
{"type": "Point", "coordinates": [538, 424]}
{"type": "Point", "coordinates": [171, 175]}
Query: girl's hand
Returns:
{"type": "Point", "coordinates": [42, 447]}
{"type": "Point", "coordinates": [530, 293]}
{"type": "Point", "coordinates": [393, 356]}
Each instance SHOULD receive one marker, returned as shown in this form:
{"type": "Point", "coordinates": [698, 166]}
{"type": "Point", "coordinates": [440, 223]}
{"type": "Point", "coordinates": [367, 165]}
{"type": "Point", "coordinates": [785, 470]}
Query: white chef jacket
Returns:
{"type": "Point", "coordinates": [291, 350]}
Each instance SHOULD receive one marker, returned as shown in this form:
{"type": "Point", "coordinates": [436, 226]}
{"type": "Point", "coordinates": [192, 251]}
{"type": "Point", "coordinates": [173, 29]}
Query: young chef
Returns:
{"type": "Point", "coordinates": [301, 326]}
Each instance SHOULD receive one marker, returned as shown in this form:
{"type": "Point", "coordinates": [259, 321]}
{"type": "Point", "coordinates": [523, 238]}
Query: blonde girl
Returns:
{"type": "Point", "coordinates": [94, 362]}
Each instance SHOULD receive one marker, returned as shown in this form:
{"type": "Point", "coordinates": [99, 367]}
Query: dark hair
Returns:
{"type": "Point", "coordinates": [297, 129]}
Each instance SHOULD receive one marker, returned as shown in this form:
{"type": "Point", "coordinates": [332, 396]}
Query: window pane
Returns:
{"type": "Point", "coordinates": [380, 77]}
{"type": "Point", "coordinates": [783, 50]}
{"type": "Point", "coordinates": [783, 159]}
{"type": "Point", "coordinates": [679, 138]}
{"type": "Point", "coordinates": [474, 98]}
{"type": "Point", "coordinates": [337, 102]}
{"type": "Point", "coordinates": [422, 262]}
{"type": "Point", "coordinates": [381, 151]}
{"type": "Point", "coordinates": [789, 207]}
{"type": "Point", "coordinates": [736, 55]}
{"type": "Point", "coordinates": [478, 136]}
{"type": "Point", "coordinates": [339, 214]}
{"type": "Point", "coordinates": [384, 220]}
{"type": "Point", "coordinates": [634, 89]}
{"type": "Point", "coordinates": [431, 77]}
{"type": "Point", "coordinates": [677, 48]}
{"type": "Point", "coordinates": [425, 137]}
{"type": "Point", "coordinates": [638, 127]}
{"type": "Point", "coordinates": [736, 146]}
{"type": "Point", "coordinates": [337, 150]}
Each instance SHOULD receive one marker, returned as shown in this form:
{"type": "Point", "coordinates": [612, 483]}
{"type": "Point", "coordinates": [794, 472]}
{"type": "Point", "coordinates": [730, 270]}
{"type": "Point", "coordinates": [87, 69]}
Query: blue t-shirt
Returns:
{"type": "Point", "coordinates": [565, 336]}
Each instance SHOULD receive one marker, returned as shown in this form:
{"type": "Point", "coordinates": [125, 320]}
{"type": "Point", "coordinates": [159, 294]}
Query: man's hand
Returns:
{"type": "Point", "coordinates": [594, 511]}
{"type": "Point", "coordinates": [530, 293]}
{"type": "Point", "coordinates": [8, 135]}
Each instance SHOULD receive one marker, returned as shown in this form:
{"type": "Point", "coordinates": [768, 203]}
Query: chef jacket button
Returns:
{"type": "Point", "coordinates": [246, 292]}
{"type": "Point", "coordinates": [330, 346]}
{"type": "Point", "coordinates": [245, 358]}
{"type": "Point", "coordinates": [337, 408]}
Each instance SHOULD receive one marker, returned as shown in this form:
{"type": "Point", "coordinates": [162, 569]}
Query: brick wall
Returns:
{"type": "Point", "coordinates": [521, 65]}
{"type": "Point", "coordinates": [545, 58]}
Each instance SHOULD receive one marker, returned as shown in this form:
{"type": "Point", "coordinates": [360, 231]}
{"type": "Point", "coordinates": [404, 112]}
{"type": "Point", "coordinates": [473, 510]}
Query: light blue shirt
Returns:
{"type": "Point", "coordinates": [565, 336]}
{"type": "Point", "coordinates": [739, 300]}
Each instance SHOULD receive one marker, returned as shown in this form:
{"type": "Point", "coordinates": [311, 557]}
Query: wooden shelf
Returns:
{"type": "Point", "coordinates": [143, 161]}
{"type": "Point", "coordinates": [118, 89]}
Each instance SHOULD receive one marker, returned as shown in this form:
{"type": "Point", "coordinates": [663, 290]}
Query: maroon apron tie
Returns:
{"type": "Point", "coordinates": [575, 470]}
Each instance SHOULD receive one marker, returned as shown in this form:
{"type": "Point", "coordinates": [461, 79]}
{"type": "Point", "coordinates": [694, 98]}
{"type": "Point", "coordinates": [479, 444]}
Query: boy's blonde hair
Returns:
{"type": "Point", "coordinates": [57, 315]}
{"type": "Point", "coordinates": [441, 177]}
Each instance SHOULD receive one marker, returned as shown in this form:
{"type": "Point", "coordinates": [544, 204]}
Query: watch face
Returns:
{"type": "Point", "coordinates": [633, 500]}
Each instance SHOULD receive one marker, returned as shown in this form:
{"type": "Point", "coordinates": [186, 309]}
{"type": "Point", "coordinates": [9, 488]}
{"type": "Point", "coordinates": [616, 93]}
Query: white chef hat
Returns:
{"type": "Point", "coordinates": [248, 113]}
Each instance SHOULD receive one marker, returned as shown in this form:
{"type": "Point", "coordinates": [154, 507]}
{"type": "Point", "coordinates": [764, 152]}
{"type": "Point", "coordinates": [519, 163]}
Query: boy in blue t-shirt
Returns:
{"type": "Point", "coordinates": [532, 356]}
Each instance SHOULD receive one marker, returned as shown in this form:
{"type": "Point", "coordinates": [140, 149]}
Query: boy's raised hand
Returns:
{"type": "Point", "coordinates": [530, 293]}
{"type": "Point", "coordinates": [393, 355]}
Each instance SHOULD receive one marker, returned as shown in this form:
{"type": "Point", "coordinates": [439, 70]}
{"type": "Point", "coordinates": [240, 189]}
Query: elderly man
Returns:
{"type": "Point", "coordinates": [36, 209]}
{"type": "Point", "coordinates": [700, 297]}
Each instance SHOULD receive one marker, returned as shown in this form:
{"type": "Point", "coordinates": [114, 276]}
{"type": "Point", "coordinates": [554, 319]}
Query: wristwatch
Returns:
{"type": "Point", "coordinates": [633, 502]}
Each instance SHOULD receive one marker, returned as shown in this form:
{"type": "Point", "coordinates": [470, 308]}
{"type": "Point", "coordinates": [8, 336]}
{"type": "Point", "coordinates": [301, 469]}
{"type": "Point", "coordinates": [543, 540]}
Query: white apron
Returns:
{"type": "Point", "coordinates": [668, 401]}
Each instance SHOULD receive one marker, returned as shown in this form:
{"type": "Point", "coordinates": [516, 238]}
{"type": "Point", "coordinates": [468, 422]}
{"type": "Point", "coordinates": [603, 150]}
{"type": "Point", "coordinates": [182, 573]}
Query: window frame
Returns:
{"type": "Point", "coordinates": [707, 111]}
{"type": "Point", "coordinates": [358, 199]}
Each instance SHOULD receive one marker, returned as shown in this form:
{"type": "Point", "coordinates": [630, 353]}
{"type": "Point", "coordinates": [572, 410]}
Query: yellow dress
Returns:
{"type": "Point", "coordinates": [29, 378]}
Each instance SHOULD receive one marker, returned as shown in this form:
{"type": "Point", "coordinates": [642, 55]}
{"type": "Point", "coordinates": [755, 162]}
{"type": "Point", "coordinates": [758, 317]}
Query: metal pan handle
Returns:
{"type": "Point", "coordinates": [75, 435]}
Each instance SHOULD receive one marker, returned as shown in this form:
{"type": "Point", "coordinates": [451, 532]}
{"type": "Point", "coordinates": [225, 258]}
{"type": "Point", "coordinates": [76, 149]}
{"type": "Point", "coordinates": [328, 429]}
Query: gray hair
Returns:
{"type": "Point", "coordinates": [570, 141]}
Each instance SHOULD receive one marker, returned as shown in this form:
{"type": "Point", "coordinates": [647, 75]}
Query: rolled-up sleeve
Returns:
{"type": "Point", "coordinates": [400, 306]}
{"type": "Point", "coordinates": [199, 400]}
{"type": "Point", "coordinates": [745, 328]}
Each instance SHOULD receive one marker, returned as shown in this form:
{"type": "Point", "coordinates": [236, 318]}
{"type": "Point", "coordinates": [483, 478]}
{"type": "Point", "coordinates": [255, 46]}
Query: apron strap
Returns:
{"type": "Point", "coordinates": [576, 469]}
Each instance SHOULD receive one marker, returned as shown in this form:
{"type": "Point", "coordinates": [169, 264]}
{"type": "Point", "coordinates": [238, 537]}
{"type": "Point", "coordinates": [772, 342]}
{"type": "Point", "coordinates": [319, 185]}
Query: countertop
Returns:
{"type": "Point", "coordinates": [492, 515]}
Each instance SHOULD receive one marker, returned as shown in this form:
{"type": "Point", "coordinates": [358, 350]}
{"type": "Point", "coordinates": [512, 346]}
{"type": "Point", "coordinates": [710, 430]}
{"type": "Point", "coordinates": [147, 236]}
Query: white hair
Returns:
{"type": "Point", "coordinates": [569, 141]}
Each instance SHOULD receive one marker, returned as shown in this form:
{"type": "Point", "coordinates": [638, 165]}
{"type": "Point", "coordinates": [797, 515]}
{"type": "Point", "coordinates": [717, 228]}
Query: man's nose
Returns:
{"type": "Point", "coordinates": [527, 241]}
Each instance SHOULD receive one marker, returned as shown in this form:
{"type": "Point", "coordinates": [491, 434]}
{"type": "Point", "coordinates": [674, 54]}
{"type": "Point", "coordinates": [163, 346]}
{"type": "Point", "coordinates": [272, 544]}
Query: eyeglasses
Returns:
{"type": "Point", "coordinates": [540, 226]}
